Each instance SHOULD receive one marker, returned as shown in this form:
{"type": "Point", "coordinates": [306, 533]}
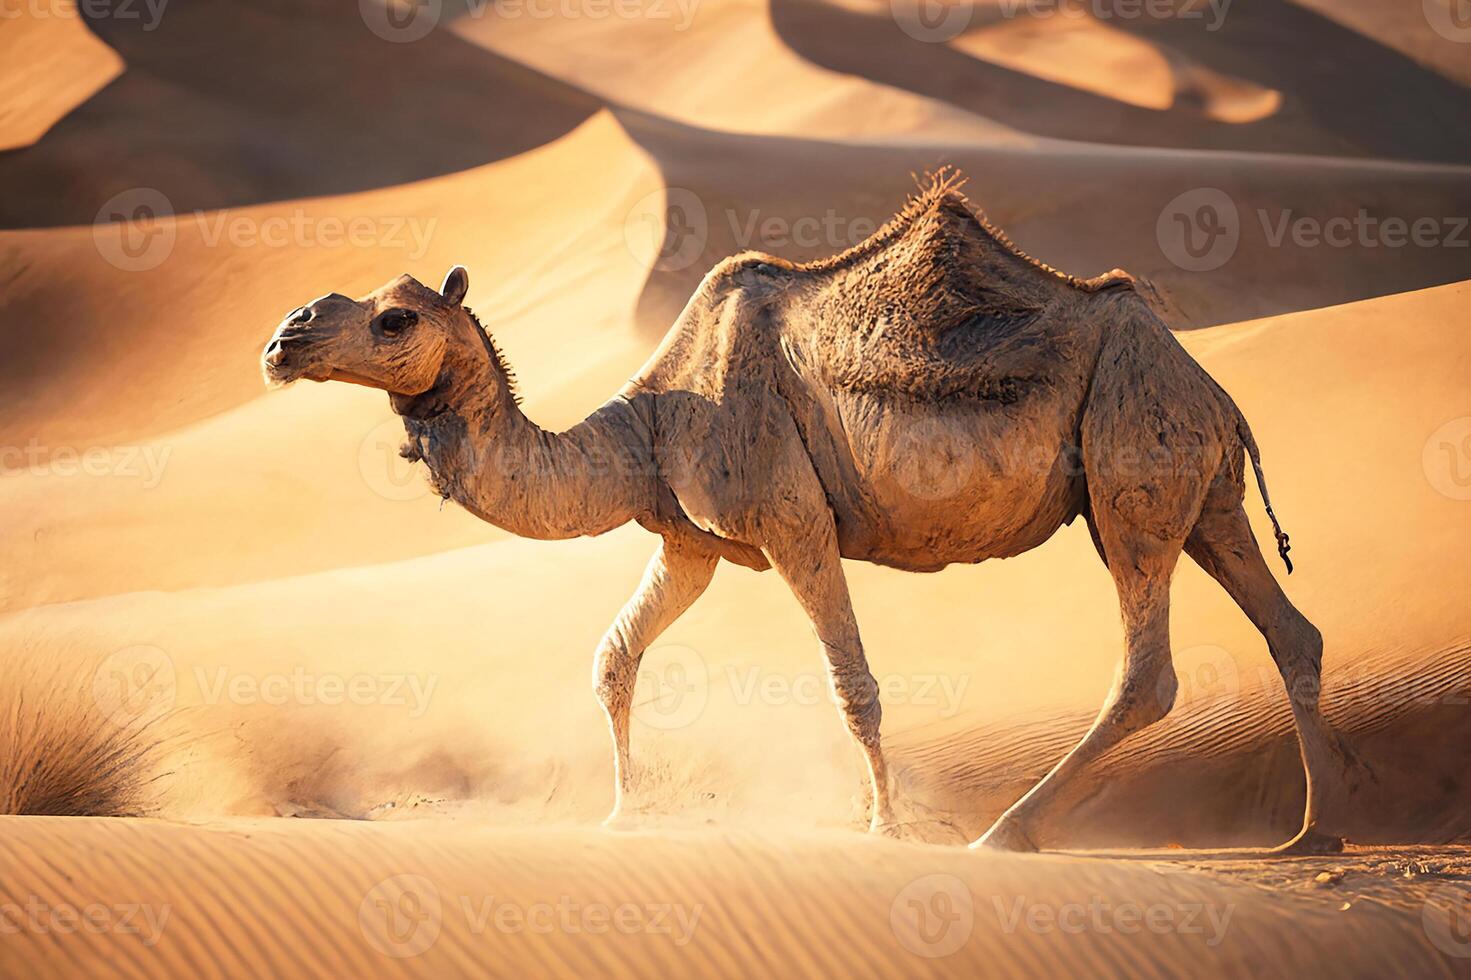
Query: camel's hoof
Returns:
{"type": "Point", "coordinates": [1005, 835]}
{"type": "Point", "coordinates": [1308, 843]}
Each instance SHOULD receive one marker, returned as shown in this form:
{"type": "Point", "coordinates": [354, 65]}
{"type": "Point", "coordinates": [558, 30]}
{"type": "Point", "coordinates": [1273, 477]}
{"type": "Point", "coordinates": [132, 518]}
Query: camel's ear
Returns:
{"type": "Point", "coordinates": [456, 285]}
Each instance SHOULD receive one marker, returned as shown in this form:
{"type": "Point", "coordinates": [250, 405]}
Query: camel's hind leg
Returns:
{"type": "Point", "coordinates": [1143, 691]}
{"type": "Point", "coordinates": [675, 578]}
{"type": "Point", "coordinates": [1151, 439]}
{"type": "Point", "coordinates": [1223, 544]}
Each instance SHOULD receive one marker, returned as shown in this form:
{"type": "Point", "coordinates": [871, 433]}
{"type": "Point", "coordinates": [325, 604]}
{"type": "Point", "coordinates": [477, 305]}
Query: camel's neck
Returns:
{"type": "Point", "coordinates": [486, 455]}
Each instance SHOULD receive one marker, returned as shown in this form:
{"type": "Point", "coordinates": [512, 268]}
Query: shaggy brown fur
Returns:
{"type": "Point", "coordinates": [932, 395]}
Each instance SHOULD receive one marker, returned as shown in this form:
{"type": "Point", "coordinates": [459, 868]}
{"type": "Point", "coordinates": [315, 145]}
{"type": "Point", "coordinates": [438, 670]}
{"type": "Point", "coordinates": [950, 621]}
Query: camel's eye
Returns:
{"type": "Point", "coordinates": [391, 323]}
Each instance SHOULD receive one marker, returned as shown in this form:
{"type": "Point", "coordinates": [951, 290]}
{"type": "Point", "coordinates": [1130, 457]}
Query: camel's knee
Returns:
{"type": "Point", "coordinates": [614, 671]}
{"type": "Point", "coordinates": [1140, 701]}
{"type": "Point", "coordinates": [857, 693]}
{"type": "Point", "coordinates": [1297, 649]}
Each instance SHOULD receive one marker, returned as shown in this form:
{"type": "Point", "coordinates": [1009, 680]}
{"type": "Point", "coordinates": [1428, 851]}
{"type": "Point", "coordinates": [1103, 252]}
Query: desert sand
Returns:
{"type": "Point", "coordinates": [373, 746]}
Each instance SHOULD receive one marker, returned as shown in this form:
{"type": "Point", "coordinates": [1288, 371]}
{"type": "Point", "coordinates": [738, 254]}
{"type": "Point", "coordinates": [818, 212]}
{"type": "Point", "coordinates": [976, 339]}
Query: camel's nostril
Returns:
{"type": "Point", "coordinates": [275, 353]}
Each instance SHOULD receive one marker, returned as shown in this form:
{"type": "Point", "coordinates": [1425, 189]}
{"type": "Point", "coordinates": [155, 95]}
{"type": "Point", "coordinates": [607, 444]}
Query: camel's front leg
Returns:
{"type": "Point", "coordinates": [806, 556]}
{"type": "Point", "coordinates": [674, 579]}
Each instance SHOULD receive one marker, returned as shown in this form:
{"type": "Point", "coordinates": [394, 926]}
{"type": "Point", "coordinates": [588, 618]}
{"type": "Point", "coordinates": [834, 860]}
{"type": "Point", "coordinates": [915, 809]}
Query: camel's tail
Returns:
{"type": "Point", "coordinates": [1283, 547]}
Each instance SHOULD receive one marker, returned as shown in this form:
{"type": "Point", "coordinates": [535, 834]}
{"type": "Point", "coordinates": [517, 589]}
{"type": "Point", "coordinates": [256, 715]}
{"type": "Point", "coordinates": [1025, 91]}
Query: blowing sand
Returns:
{"type": "Point", "coordinates": [308, 634]}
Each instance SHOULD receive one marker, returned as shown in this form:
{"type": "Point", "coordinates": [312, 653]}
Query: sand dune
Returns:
{"type": "Point", "coordinates": [1324, 110]}
{"type": "Point", "coordinates": [59, 49]}
{"type": "Point", "coordinates": [212, 900]}
{"type": "Point", "coordinates": [720, 66]}
{"type": "Point", "coordinates": [231, 104]}
{"type": "Point", "coordinates": [318, 638]}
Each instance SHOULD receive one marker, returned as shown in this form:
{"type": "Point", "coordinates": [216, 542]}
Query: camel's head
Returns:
{"type": "Point", "coordinates": [395, 338]}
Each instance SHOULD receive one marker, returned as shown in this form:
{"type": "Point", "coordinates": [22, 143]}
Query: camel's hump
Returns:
{"type": "Point", "coordinates": [938, 256]}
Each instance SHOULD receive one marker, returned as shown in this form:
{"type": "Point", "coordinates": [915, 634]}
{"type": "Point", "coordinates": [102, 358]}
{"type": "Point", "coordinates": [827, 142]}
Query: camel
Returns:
{"type": "Point", "coordinates": [931, 395]}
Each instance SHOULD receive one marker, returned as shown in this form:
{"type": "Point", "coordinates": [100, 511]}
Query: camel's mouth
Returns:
{"type": "Point", "coordinates": [352, 379]}
{"type": "Point", "coordinates": [284, 374]}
